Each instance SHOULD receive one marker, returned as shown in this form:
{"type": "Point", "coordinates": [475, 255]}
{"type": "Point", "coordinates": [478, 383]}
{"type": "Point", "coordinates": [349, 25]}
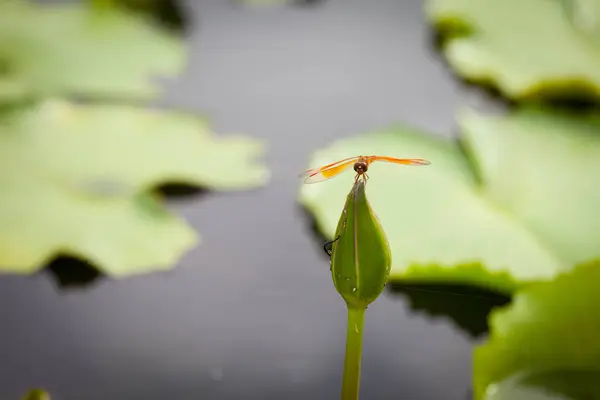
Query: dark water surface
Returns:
{"type": "Point", "coordinates": [252, 313]}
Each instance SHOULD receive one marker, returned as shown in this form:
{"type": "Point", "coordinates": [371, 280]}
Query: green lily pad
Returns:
{"type": "Point", "coordinates": [548, 385]}
{"type": "Point", "coordinates": [73, 49]}
{"type": "Point", "coordinates": [439, 226]}
{"type": "Point", "coordinates": [541, 167]}
{"type": "Point", "coordinates": [79, 180]}
{"type": "Point", "coordinates": [36, 394]}
{"type": "Point", "coordinates": [168, 13]}
{"type": "Point", "coordinates": [525, 48]}
{"type": "Point", "coordinates": [546, 341]}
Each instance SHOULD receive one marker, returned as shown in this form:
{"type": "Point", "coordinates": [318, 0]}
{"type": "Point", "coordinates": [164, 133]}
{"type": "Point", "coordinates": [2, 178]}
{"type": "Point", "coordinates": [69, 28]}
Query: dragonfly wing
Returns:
{"type": "Point", "coordinates": [403, 161]}
{"type": "Point", "coordinates": [310, 171]}
{"type": "Point", "coordinates": [324, 173]}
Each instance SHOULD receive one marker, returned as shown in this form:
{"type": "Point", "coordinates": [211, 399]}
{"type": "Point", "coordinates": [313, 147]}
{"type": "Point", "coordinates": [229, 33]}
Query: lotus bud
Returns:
{"type": "Point", "coordinates": [360, 257]}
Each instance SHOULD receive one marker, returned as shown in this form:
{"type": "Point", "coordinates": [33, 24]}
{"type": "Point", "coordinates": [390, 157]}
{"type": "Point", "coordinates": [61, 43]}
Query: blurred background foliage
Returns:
{"type": "Point", "coordinates": [80, 179]}
{"type": "Point", "coordinates": [36, 394]}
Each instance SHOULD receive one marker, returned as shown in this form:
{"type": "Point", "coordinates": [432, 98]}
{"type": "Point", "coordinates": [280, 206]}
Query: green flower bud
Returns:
{"type": "Point", "coordinates": [361, 256]}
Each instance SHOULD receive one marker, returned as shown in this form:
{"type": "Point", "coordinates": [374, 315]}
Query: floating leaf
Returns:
{"type": "Point", "coordinates": [548, 385]}
{"type": "Point", "coordinates": [79, 179]}
{"type": "Point", "coordinates": [169, 13]}
{"type": "Point", "coordinates": [541, 167]}
{"type": "Point", "coordinates": [72, 49]}
{"type": "Point", "coordinates": [36, 394]}
{"type": "Point", "coordinates": [525, 48]}
{"type": "Point", "coordinates": [546, 341]}
{"type": "Point", "coordinates": [438, 225]}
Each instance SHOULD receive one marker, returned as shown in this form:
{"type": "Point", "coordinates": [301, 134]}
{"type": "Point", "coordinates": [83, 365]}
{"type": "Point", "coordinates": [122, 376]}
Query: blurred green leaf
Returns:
{"type": "Point", "coordinates": [548, 385]}
{"type": "Point", "coordinates": [545, 343]}
{"type": "Point", "coordinates": [36, 394]}
{"type": "Point", "coordinates": [440, 228]}
{"type": "Point", "coordinates": [168, 13]}
{"type": "Point", "coordinates": [79, 180]}
{"type": "Point", "coordinates": [525, 48]}
{"type": "Point", "coordinates": [73, 49]}
{"type": "Point", "coordinates": [542, 167]}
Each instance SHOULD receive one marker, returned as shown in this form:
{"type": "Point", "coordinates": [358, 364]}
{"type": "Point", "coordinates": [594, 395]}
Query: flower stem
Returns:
{"type": "Point", "coordinates": [351, 380]}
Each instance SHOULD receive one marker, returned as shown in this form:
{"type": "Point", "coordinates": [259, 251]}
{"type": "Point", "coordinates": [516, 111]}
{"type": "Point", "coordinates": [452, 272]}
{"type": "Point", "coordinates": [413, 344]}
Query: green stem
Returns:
{"type": "Point", "coordinates": [351, 382]}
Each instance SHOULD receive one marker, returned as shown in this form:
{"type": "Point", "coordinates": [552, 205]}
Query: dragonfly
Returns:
{"type": "Point", "coordinates": [360, 164]}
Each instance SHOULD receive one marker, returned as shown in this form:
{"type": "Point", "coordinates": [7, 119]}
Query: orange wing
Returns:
{"type": "Point", "coordinates": [327, 171]}
{"type": "Point", "coordinates": [404, 161]}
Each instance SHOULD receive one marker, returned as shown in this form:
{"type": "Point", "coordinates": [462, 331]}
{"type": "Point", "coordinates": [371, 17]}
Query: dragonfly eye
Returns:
{"type": "Point", "coordinates": [360, 167]}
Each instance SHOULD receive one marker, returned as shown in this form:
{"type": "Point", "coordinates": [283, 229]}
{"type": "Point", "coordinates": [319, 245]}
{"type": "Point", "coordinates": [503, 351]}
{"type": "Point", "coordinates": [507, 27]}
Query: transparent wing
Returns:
{"type": "Point", "coordinates": [311, 171]}
{"type": "Point", "coordinates": [328, 171]}
{"type": "Point", "coordinates": [403, 161]}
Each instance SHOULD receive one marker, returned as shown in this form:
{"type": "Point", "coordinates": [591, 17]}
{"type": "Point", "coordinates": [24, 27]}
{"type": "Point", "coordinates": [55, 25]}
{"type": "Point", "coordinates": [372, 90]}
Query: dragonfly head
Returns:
{"type": "Point", "coordinates": [360, 167]}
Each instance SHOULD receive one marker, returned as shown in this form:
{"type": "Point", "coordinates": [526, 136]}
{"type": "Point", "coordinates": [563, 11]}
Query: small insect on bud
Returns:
{"type": "Point", "coordinates": [361, 256]}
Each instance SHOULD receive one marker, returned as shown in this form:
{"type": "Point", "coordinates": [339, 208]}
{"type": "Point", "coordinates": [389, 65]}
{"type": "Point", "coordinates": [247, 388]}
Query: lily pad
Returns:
{"type": "Point", "coordinates": [525, 48]}
{"type": "Point", "coordinates": [74, 49]}
{"type": "Point", "coordinates": [541, 167]}
{"type": "Point", "coordinates": [439, 226]}
{"type": "Point", "coordinates": [36, 394]}
{"type": "Point", "coordinates": [79, 180]}
{"type": "Point", "coordinates": [546, 341]}
{"type": "Point", "coordinates": [548, 385]}
{"type": "Point", "coordinates": [168, 13]}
